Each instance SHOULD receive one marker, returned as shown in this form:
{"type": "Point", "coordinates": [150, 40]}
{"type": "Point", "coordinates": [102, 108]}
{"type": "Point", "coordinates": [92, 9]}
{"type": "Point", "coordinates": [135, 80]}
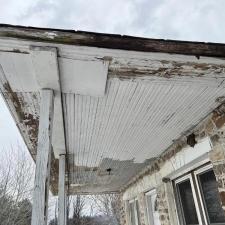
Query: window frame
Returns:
{"type": "Point", "coordinates": [150, 214]}
{"type": "Point", "coordinates": [178, 198]}
{"type": "Point", "coordinates": [136, 216]}
{"type": "Point", "coordinates": [197, 172]}
{"type": "Point", "coordinates": [192, 175]}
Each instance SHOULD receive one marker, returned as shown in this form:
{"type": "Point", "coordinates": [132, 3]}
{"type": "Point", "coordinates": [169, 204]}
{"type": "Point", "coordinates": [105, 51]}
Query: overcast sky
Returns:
{"type": "Point", "coordinates": [196, 20]}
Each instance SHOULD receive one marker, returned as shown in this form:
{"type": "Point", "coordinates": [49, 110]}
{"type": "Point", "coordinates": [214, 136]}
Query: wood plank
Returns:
{"type": "Point", "coordinates": [62, 193]}
{"type": "Point", "coordinates": [43, 160]}
{"type": "Point", "coordinates": [84, 77]}
{"type": "Point", "coordinates": [45, 63]}
{"type": "Point", "coordinates": [112, 41]}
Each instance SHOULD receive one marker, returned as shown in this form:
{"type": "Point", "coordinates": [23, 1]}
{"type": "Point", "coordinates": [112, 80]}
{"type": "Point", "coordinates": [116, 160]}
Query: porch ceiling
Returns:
{"type": "Point", "coordinates": [121, 108]}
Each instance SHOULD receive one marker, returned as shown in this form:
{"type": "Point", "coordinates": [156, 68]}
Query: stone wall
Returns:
{"type": "Point", "coordinates": [219, 170]}
{"type": "Point", "coordinates": [162, 205]}
{"type": "Point", "coordinates": [142, 209]}
{"type": "Point", "coordinates": [118, 208]}
{"type": "Point", "coordinates": [216, 131]}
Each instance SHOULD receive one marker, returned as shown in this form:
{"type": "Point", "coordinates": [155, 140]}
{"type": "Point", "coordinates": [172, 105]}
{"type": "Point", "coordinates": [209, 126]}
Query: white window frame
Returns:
{"type": "Point", "coordinates": [198, 201]}
{"type": "Point", "coordinates": [150, 213]}
{"type": "Point", "coordinates": [135, 200]}
{"type": "Point", "coordinates": [196, 173]}
{"type": "Point", "coordinates": [182, 179]}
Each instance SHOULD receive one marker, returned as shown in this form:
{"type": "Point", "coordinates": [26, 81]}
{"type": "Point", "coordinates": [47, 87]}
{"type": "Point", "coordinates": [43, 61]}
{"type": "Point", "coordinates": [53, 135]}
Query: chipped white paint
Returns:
{"type": "Point", "coordinates": [51, 35]}
{"type": "Point", "coordinates": [85, 52]}
{"type": "Point", "coordinates": [135, 120]}
{"type": "Point", "coordinates": [30, 106]}
{"type": "Point", "coordinates": [178, 161]}
{"type": "Point", "coordinates": [39, 69]}
{"type": "Point", "coordinates": [128, 120]}
{"type": "Point", "coordinates": [45, 64]}
{"type": "Point", "coordinates": [43, 161]}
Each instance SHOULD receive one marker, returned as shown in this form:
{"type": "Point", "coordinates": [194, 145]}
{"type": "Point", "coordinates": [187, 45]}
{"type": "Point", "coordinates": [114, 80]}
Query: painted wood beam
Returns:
{"type": "Point", "coordinates": [111, 41]}
{"type": "Point", "coordinates": [43, 160]}
{"type": "Point", "coordinates": [62, 191]}
{"type": "Point", "coordinates": [45, 63]}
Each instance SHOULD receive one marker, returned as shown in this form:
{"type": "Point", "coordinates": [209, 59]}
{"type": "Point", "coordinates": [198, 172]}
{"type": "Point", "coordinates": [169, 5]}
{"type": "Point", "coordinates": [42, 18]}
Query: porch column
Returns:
{"type": "Point", "coordinates": [43, 160]}
{"type": "Point", "coordinates": [62, 191]}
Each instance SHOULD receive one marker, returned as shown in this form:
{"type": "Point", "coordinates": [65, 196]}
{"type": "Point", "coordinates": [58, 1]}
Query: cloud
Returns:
{"type": "Point", "coordinates": [201, 20]}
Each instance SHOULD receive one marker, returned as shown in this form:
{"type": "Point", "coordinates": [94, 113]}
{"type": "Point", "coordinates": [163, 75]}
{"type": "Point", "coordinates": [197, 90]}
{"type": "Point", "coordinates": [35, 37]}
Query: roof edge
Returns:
{"type": "Point", "coordinates": [112, 41]}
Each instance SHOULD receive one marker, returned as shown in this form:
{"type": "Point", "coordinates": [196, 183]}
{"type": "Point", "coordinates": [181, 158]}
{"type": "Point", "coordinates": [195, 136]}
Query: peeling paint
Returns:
{"type": "Point", "coordinates": [166, 69]}
{"type": "Point", "coordinates": [98, 179]}
{"type": "Point", "coordinates": [30, 122]}
{"type": "Point", "coordinates": [112, 41]}
{"type": "Point", "coordinates": [15, 50]}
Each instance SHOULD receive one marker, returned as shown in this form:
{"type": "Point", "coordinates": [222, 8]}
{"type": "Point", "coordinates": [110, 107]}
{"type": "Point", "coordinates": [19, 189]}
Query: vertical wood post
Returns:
{"type": "Point", "coordinates": [62, 193]}
{"type": "Point", "coordinates": [43, 160]}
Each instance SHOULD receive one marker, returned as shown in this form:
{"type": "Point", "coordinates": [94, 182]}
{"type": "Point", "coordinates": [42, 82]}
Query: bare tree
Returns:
{"type": "Point", "coordinates": [16, 180]}
{"type": "Point", "coordinates": [54, 220]}
{"type": "Point", "coordinates": [77, 204]}
{"type": "Point", "coordinates": [108, 205]}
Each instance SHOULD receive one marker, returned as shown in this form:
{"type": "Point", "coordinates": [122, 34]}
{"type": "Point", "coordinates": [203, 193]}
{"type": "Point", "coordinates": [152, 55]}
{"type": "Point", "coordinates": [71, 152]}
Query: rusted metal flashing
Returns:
{"type": "Point", "coordinates": [112, 41]}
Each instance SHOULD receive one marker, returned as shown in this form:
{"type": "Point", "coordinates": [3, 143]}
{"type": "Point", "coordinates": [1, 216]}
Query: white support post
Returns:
{"type": "Point", "coordinates": [43, 160]}
{"type": "Point", "coordinates": [62, 192]}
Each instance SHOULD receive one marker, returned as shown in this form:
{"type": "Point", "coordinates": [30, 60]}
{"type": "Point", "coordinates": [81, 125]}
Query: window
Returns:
{"type": "Point", "coordinates": [134, 212]}
{"type": "Point", "coordinates": [198, 198]}
{"type": "Point", "coordinates": [153, 215]}
{"type": "Point", "coordinates": [188, 211]}
{"type": "Point", "coordinates": [210, 198]}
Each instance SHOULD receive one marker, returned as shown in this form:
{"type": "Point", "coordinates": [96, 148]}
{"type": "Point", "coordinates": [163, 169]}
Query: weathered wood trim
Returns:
{"type": "Point", "coordinates": [45, 63]}
{"type": "Point", "coordinates": [43, 160]}
{"type": "Point", "coordinates": [62, 193]}
{"type": "Point", "coordinates": [112, 41]}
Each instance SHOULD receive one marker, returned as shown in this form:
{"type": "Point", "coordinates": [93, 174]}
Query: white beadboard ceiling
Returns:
{"type": "Point", "coordinates": [120, 108]}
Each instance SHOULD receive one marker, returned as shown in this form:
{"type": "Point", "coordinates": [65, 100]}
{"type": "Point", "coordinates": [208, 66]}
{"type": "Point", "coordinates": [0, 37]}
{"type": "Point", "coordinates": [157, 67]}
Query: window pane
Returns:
{"type": "Point", "coordinates": [211, 198]}
{"type": "Point", "coordinates": [187, 202]}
